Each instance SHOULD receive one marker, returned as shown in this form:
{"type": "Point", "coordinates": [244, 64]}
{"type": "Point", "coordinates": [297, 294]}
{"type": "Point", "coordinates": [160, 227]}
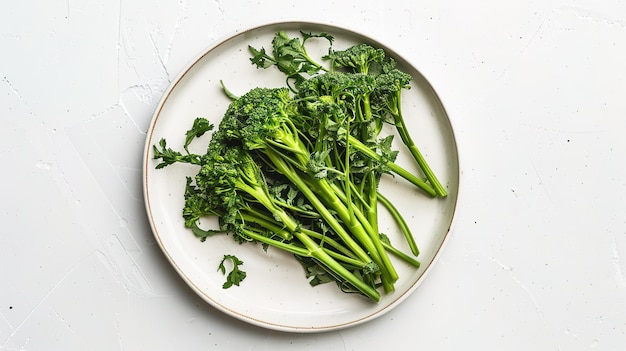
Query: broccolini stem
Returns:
{"type": "Point", "coordinates": [367, 238]}
{"type": "Point", "coordinates": [284, 168]}
{"type": "Point", "coordinates": [270, 224]}
{"type": "Point", "coordinates": [393, 166]}
{"type": "Point", "coordinates": [320, 255]}
{"type": "Point", "coordinates": [346, 176]}
{"type": "Point", "coordinates": [376, 252]}
{"type": "Point", "coordinates": [296, 250]}
{"type": "Point", "coordinates": [430, 175]}
{"type": "Point", "coordinates": [357, 222]}
{"type": "Point", "coordinates": [266, 201]}
{"type": "Point", "coordinates": [360, 227]}
{"type": "Point", "coordinates": [314, 251]}
{"type": "Point", "coordinates": [408, 259]}
{"type": "Point", "coordinates": [404, 227]}
{"type": "Point", "coordinates": [372, 212]}
{"type": "Point", "coordinates": [417, 155]}
{"type": "Point", "coordinates": [348, 260]}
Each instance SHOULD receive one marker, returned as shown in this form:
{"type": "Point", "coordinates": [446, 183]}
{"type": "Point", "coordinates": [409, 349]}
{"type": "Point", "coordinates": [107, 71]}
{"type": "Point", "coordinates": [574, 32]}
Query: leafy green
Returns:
{"type": "Point", "coordinates": [200, 126]}
{"type": "Point", "coordinates": [236, 275]}
{"type": "Point", "coordinates": [289, 55]}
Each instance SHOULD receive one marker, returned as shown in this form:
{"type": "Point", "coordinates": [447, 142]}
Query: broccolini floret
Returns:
{"type": "Point", "coordinates": [359, 58]}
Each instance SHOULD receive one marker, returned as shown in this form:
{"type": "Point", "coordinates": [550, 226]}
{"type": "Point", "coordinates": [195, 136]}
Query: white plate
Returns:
{"type": "Point", "coordinates": [276, 294]}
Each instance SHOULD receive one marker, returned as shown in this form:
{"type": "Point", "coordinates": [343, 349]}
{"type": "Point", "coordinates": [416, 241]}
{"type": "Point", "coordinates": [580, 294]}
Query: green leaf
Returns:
{"type": "Point", "coordinates": [200, 126]}
{"type": "Point", "coordinates": [236, 275]}
{"type": "Point", "coordinates": [260, 58]}
{"type": "Point", "coordinates": [308, 35]}
{"type": "Point", "coordinates": [167, 155]}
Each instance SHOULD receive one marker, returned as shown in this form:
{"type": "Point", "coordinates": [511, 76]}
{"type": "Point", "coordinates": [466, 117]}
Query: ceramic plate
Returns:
{"type": "Point", "coordinates": [276, 294]}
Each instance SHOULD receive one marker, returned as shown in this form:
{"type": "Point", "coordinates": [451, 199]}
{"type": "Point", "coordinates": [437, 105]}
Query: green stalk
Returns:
{"type": "Point", "coordinates": [356, 193]}
{"type": "Point", "coordinates": [370, 240]}
{"type": "Point", "coordinates": [392, 166]}
{"type": "Point", "coordinates": [362, 230]}
{"type": "Point", "coordinates": [260, 194]}
{"type": "Point", "coordinates": [404, 227]}
{"type": "Point", "coordinates": [417, 155]}
{"type": "Point", "coordinates": [408, 259]}
{"type": "Point", "coordinates": [270, 224]}
{"type": "Point", "coordinates": [328, 261]}
{"type": "Point", "coordinates": [286, 246]}
{"type": "Point", "coordinates": [284, 168]}
{"type": "Point", "coordinates": [362, 224]}
{"type": "Point", "coordinates": [348, 260]}
{"type": "Point", "coordinates": [312, 250]}
{"type": "Point", "coordinates": [346, 177]}
{"type": "Point", "coordinates": [371, 243]}
{"type": "Point", "coordinates": [372, 211]}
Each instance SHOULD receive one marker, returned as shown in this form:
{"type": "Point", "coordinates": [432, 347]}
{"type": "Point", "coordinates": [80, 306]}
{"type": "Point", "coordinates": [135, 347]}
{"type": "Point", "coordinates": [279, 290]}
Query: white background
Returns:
{"type": "Point", "coordinates": [535, 92]}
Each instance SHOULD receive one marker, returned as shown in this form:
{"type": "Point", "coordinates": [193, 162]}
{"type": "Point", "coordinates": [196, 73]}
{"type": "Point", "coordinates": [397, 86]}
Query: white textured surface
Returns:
{"type": "Point", "coordinates": [537, 259]}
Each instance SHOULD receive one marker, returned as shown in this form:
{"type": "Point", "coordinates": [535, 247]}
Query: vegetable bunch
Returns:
{"type": "Point", "coordinates": [298, 167]}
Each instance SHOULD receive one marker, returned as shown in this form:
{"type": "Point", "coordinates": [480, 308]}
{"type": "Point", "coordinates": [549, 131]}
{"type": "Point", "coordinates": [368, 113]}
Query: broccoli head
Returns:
{"type": "Point", "coordinates": [359, 58]}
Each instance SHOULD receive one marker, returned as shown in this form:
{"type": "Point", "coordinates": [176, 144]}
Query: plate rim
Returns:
{"type": "Point", "coordinates": [292, 24]}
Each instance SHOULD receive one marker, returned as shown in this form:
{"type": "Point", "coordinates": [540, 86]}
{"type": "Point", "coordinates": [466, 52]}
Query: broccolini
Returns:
{"type": "Point", "coordinates": [298, 168]}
